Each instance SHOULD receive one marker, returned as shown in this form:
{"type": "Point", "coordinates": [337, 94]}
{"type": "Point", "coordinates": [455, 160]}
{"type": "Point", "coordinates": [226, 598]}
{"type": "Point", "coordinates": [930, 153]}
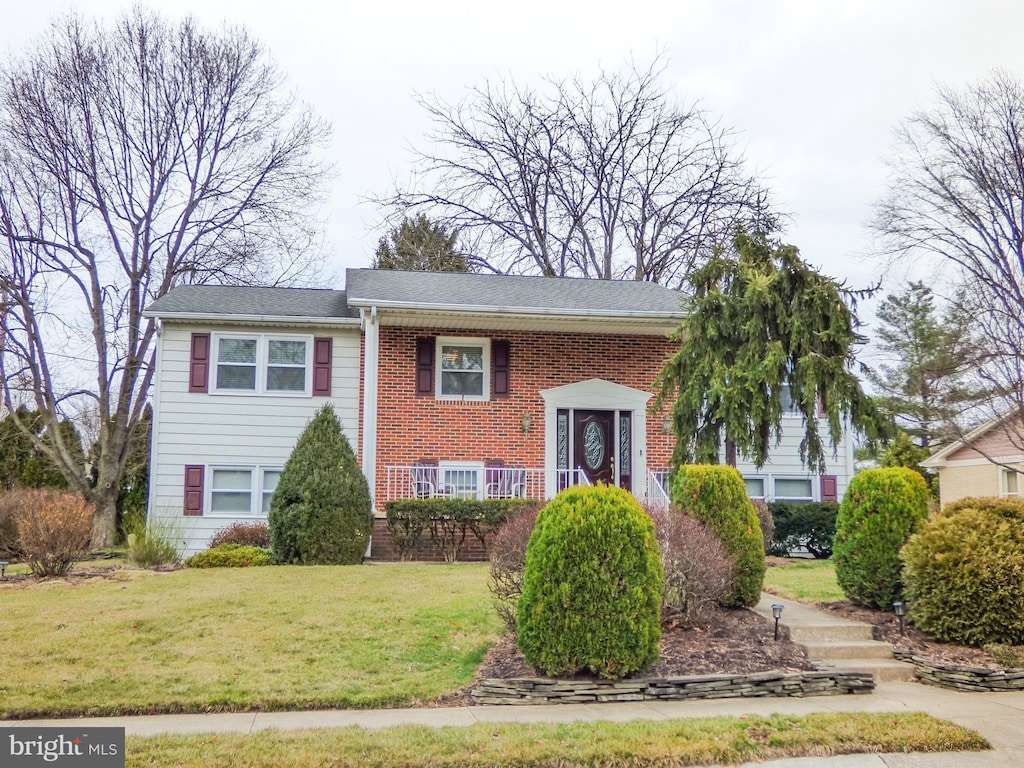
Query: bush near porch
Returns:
{"type": "Point", "coordinates": [446, 523]}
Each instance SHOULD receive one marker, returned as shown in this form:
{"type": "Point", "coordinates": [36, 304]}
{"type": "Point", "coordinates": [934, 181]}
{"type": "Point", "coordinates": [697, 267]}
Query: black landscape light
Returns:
{"type": "Point", "coordinates": [901, 610]}
{"type": "Point", "coordinates": [3, 569]}
{"type": "Point", "coordinates": [777, 613]}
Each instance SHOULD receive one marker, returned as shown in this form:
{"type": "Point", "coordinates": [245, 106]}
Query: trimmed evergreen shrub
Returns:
{"type": "Point", "coordinates": [320, 513]}
{"type": "Point", "coordinates": [698, 570]}
{"type": "Point", "coordinates": [716, 496]}
{"type": "Point", "coordinates": [592, 586]}
{"type": "Point", "coordinates": [807, 524]}
{"type": "Point", "coordinates": [964, 572]}
{"type": "Point", "coordinates": [231, 556]}
{"type": "Point", "coordinates": [882, 507]}
{"type": "Point", "coordinates": [249, 534]}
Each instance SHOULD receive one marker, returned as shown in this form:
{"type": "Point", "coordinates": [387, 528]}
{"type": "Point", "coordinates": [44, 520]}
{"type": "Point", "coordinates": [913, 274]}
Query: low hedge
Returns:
{"type": "Point", "coordinates": [447, 522]}
{"type": "Point", "coordinates": [231, 556]}
{"type": "Point", "coordinates": [811, 525]}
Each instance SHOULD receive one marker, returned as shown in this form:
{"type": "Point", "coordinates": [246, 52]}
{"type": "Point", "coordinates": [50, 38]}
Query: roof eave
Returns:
{"type": "Point", "coordinates": [209, 317]}
{"type": "Point", "coordinates": [483, 309]}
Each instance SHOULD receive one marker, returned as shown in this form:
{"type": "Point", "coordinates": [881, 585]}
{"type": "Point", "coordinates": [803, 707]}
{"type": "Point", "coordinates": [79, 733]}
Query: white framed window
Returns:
{"type": "Point", "coordinates": [262, 364]}
{"type": "Point", "coordinates": [1009, 482]}
{"type": "Point", "coordinates": [241, 491]}
{"type": "Point", "coordinates": [755, 487]}
{"type": "Point", "coordinates": [793, 489]}
{"type": "Point", "coordinates": [462, 479]}
{"type": "Point", "coordinates": [790, 407]}
{"type": "Point", "coordinates": [463, 369]}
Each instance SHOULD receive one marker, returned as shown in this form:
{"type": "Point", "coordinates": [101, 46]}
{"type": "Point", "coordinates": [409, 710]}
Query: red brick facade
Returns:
{"type": "Point", "coordinates": [412, 427]}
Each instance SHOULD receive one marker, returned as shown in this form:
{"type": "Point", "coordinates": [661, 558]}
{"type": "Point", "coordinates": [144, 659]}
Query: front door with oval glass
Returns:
{"type": "Point", "coordinates": [594, 445]}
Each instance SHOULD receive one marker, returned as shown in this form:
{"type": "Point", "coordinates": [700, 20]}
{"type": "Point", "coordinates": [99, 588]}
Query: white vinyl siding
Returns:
{"type": "Point", "coordinates": [235, 431]}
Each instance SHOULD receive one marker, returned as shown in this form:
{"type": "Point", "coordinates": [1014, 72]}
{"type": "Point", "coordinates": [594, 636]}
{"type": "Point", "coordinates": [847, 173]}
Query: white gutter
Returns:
{"type": "Point", "coordinates": [207, 317]}
{"type": "Point", "coordinates": [494, 310]}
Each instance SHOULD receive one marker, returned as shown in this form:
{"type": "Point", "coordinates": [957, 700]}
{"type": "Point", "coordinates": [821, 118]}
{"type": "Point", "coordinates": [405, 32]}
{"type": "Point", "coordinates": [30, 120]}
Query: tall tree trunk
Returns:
{"type": "Point", "coordinates": [730, 452]}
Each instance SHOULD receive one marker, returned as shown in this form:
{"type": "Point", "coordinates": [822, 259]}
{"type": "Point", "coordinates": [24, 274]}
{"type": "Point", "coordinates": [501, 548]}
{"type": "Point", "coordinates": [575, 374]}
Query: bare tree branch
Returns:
{"type": "Point", "coordinates": [134, 157]}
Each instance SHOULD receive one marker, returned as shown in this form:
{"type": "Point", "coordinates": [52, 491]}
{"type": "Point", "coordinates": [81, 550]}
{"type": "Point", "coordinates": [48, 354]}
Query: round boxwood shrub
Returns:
{"type": "Point", "coordinates": [230, 556]}
{"type": "Point", "coordinates": [964, 572]}
{"type": "Point", "coordinates": [881, 509]}
{"type": "Point", "coordinates": [320, 513]}
{"type": "Point", "coordinates": [716, 495]}
{"type": "Point", "coordinates": [592, 587]}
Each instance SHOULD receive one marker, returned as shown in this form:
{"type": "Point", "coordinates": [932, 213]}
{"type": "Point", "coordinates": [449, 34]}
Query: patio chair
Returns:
{"type": "Point", "coordinates": [425, 477]}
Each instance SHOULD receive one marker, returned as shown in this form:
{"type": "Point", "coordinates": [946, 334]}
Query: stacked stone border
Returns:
{"type": "Point", "coordinates": [963, 678]}
{"type": "Point", "coordinates": [534, 690]}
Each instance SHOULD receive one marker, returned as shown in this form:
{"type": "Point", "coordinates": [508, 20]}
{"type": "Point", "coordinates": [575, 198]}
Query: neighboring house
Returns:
{"type": "Point", "coordinates": [447, 384]}
{"type": "Point", "coordinates": [986, 462]}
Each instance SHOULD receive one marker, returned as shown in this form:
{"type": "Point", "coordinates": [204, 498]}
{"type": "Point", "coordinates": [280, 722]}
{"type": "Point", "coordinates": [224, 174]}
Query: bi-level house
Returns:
{"type": "Point", "coordinates": [446, 384]}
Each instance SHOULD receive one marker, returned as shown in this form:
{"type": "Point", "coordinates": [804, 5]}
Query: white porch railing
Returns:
{"type": "Point", "coordinates": [422, 481]}
{"type": "Point", "coordinates": [659, 484]}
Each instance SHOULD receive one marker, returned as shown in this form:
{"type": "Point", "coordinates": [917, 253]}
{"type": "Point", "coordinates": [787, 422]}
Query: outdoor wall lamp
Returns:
{"type": "Point", "coordinates": [901, 610]}
{"type": "Point", "coordinates": [777, 613]}
{"type": "Point", "coordinates": [3, 569]}
{"type": "Point", "coordinates": [526, 423]}
{"type": "Point", "coordinates": [666, 425]}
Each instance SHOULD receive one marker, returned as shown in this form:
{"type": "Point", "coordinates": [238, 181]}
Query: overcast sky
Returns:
{"type": "Point", "coordinates": [814, 89]}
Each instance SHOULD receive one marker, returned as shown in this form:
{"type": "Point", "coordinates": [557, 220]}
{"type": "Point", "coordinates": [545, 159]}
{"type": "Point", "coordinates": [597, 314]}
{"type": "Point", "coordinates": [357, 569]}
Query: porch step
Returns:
{"type": "Point", "coordinates": [838, 632]}
{"type": "Point", "coordinates": [883, 670]}
{"type": "Point", "coordinates": [847, 649]}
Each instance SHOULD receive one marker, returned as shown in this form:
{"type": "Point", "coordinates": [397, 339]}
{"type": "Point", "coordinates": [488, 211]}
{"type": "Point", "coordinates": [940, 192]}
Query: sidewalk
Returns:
{"type": "Point", "coordinates": [999, 717]}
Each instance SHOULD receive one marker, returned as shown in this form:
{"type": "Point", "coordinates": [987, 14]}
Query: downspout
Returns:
{"type": "Point", "coordinates": [371, 359]}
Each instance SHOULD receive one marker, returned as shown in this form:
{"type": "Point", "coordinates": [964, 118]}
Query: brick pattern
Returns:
{"type": "Point", "coordinates": [410, 428]}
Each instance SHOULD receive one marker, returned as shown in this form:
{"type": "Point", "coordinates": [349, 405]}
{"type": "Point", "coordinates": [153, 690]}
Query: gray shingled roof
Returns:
{"type": "Point", "coordinates": [252, 302]}
{"type": "Point", "coordinates": [508, 293]}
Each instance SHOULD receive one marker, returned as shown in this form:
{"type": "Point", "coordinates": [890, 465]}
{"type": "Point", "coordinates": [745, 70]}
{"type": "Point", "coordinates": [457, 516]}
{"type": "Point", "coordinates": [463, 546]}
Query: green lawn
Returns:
{"type": "Point", "coordinates": [703, 741]}
{"type": "Point", "coordinates": [250, 638]}
{"type": "Point", "coordinates": [811, 581]}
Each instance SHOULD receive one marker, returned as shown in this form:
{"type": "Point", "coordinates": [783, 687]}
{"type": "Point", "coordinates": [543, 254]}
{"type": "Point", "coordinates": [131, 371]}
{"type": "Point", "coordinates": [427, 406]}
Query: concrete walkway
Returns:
{"type": "Point", "coordinates": [999, 717]}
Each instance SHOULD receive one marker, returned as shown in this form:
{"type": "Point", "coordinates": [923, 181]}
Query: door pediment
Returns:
{"type": "Point", "coordinates": [596, 394]}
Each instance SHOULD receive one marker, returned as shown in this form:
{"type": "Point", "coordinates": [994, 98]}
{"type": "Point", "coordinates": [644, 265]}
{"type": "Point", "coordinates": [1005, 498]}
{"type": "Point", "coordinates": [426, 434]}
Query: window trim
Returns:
{"type": "Point", "coordinates": [466, 341]}
{"type": "Point", "coordinates": [478, 467]}
{"type": "Point", "coordinates": [804, 478]}
{"type": "Point", "coordinates": [1004, 483]}
{"type": "Point", "coordinates": [764, 485]}
{"type": "Point", "coordinates": [256, 481]}
{"type": "Point", "coordinates": [262, 364]}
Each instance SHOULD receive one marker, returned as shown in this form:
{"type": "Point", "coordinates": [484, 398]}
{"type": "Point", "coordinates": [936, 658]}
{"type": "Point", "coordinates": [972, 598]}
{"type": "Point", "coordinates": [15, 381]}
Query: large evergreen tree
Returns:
{"type": "Point", "coordinates": [320, 513]}
{"type": "Point", "coordinates": [421, 245]}
{"type": "Point", "coordinates": [923, 383]}
{"type": "Point", "coordinates": [764, 330]}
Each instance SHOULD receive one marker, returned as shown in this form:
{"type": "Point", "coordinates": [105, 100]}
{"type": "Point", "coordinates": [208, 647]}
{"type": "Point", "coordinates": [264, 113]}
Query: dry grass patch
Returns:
{"type": "Point", "coordinates": [236, 639]}
{"type": "Point", "coordinates": [707, 741]}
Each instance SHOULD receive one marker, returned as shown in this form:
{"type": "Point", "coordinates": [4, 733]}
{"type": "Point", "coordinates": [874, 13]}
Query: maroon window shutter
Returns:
{"type": "Point", "coordinates": [499, 369]}
{"type": "Point", "coordinates": [322, 351]}
{"type": "Point", "coordinates": [425, 365]}
{"type": "Point", "coordinates": [199, 365]}
{"type": "Point", "coordinates": [829, 488]}
{"type": "Point", "coordinates": [194, 490]}
{"type": "Point", "coordinates": [821, 408]}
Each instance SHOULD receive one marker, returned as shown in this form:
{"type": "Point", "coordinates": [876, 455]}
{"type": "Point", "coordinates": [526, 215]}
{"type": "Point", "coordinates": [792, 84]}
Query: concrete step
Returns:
{"type": "Point", "coordinates": [883, 670]}
{"type": "Point", "coordinates": [847, 649]}
{"type": "Point", "coordinates": [810, 633]}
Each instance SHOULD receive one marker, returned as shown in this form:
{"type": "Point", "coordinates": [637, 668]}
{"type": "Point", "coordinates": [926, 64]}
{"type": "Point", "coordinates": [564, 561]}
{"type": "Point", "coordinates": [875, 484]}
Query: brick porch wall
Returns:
{"type": "Point", "coordinates": [383, 548]}
{"type": "Point", "coordinates": [411, 428]}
